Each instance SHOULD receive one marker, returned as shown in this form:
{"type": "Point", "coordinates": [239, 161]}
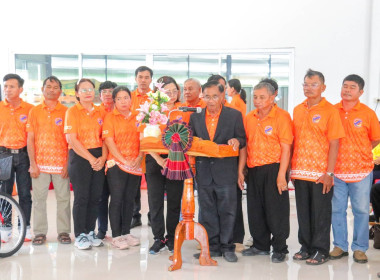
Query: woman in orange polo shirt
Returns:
{"type": "Point", "coordinates": [158, 183]}
{"type": "Point", "coordinates": [124, 166]}
{"type": "Point", "coordinates": [238, 95]}
{"type": "Point", "coordinates": [87, 154]}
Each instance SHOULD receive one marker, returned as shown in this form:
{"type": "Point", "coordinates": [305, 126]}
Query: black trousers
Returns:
{"type": "Point", "coordinates": [157, 184]}
{"type": "Point", "coordinates": [239, 231]}
{"type": "Point", "coordinates": [218, 204]}
{"type": "Point", "coordinates": [137, 205]}
{"type": "Point", "coordinates": [123, 187]}
{"type": "Point", "coordinates": [268, 211]}
{"type": "Point", "coordinates": [87, 187]}
{"type": "Point", "coordinates": [314, 216]}
{"type": "Point", "coordinates": [103, 208]}
{"type": "Point", "coordinates": [375, 200]}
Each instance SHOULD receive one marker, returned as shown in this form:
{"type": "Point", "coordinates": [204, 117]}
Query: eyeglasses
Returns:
{"type": "Point", "coordinates": [313, 86]}
{"type": "Point", "coordinates": [84, 90]}
{"type": "Point", "coordinates": [172, 93]}
{"type": "Point", "coordinates": [208, 98]}
{"type": "Point", "coordinates": [125, 98]}
{"type": "Point", "coordinates": [106, 91]}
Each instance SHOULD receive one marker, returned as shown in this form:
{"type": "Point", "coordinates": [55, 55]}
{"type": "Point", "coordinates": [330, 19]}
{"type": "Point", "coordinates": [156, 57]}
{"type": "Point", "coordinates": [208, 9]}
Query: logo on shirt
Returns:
{"type": "Point", "coordinates": [23, 118]}
{"type": "Point", "coordinates": [100, 121]}
{"type": "Point", "coordinates": [105, 132]}
{"type": "Point", "coordinates": [268, 130]}
{"type": "Point", "coordinates": [316, 118]}
{"type": "Point", "coordinates": [358, 122]}
{"type": "Point", "coordinates": [58, 121]}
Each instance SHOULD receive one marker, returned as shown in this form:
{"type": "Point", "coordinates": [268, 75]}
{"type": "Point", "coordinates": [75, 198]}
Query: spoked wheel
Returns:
{"type": "Point", "coordinates": [12, 226]}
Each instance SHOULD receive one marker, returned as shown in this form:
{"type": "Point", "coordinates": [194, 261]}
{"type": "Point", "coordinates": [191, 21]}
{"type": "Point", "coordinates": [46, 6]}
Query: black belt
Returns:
{"type": "Point", "coordinates": [12, 151]}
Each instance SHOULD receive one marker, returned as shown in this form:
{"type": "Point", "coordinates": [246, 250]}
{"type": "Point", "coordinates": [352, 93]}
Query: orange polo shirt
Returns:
{"type": "Point", "coordinates": [138, 99]}
{"type": "Point", "coordinates": [13, 124]}
{"type": "Point", "coordinates": [313, 129]}
{"type": "Point", "coordinates": [106, 109]}
{"type": "Point", "coordinates": [238, 104]}
{"type": "Point", "coordinates": [124, 132]}
{"type": "Point", "coordinates": [87, 125]}
{"type": "Point", "coordinates": [361, 126]}
{"type": "Point", "coordinates": [264, 136]}
{"type": "Point", "coordinates": [212, 123]}
{"type": "Point", "coordinates": [49, 139]}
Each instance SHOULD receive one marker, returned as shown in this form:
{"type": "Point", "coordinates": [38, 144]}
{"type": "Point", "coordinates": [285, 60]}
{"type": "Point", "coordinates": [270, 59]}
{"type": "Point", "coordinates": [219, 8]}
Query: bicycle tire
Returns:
{"type": "Point", "coordinates": [18, 225]}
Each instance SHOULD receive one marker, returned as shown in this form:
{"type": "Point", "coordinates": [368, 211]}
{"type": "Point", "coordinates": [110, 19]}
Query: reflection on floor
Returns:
{"type": "Point", "coordinates": [55, 261]}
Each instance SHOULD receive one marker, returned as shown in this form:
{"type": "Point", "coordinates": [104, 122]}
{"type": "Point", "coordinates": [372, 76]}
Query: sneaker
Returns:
{"type": "Point", "coordinates": [252, 251]}
{"type": "Point", "coordinates": [158, 245]}
{"type": "Point", "coordinates": [278, 257]}
{"type": "Point", "coordinates": [96, 242]}
{"type": "Point", "coordinates": [28, 235]}
{"type": "Point", "coordinates": [170, 245]}
{"type": "Point", "coordinates": [120, 242]}
{"type": "Point", "coordinates": [82, 242]}
{"type": "Point", "coordinates": [131, 240]}
{"type": "Point", "coordinates": [6, 234]}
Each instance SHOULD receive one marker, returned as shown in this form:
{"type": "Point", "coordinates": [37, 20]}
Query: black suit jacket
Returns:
{"type": "Point", "coordinates": [224, 171]}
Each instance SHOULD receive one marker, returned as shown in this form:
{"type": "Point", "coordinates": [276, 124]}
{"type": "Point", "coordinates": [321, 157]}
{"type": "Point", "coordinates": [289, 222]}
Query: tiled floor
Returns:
{"type": "Point", "coordinates": [55, 261]}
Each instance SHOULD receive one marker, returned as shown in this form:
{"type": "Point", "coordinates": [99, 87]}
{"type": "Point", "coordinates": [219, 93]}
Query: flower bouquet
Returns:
{"type": "Point", "coordinates": [152, 112]}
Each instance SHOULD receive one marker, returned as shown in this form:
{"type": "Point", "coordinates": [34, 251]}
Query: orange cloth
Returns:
{"type": "Point", "coordinates": [13, 124]}
{"type": "Point", "coordinates": [138, 99]}
{"type": "Point", "coordinates": [264, 136]}
{"type": "Point", "coordinates": [103, 107]}
{"type": "Point", "coordinates": [124, 132]}
{"type": "Point", "coordinates": [87, 125]}
{"type": "Point", "coordinates": [238, 104]}
{"type": "Point", "coordinates": [361, 126]}
{"type": "Point", "coordinates": [212, 123]}
{"type": "Point", "coordinates": [313, 129]}
{"type": "Point", "coordinates": [50, 143]}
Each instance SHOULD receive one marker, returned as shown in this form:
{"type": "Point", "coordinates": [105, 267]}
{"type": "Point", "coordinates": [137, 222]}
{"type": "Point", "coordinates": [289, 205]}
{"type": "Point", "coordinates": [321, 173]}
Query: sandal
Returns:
{"type": "Point", "coordinates": [39, 239]}
{"type": "Point", "coordinates": [301, 256]}
{"type": "Point", "coordinates": [64, 238]}
{"type": "Point", "coordinates": [317, 259]}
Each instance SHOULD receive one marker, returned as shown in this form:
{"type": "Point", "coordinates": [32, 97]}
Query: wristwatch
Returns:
{"type": "Point", "coordinates": [330, 174]}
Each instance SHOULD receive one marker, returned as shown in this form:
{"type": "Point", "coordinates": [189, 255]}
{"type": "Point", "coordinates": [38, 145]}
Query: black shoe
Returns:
{"type": "Point", "coordinates": [278, 257]}
{"type": "Point", "coordinates": [213, 254]}
{"type": "Point", "coordinates": [230, 256]}
{"type": "Point", "coordinates": [136, 222]}
{"type": "Point", "coordinates": [101, 235]}
{"type": "Point", "coordinates": [170, 245]}
{"type": "Point", "coordinates": [158, 245]}
{"type": "Point", "coordinates": [252, 251]}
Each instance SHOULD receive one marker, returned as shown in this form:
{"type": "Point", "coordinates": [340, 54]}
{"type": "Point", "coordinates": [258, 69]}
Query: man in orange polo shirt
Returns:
{"type": "Point", "coordinates": [317, 130]}
{"type": "Point", "coordinates": [47, 150]}
{"type": "Point", "coordinates": [353, 170]}
{"type": "Point", "coordinates": [269, 138]}
{"type": "Point", "coordinates": [143, 77]}
{"type": "Point", "coordinates": [217, 177]}
{"type": "Point", "coordinates": [105, 90]}
{"type": "Point", "coordinates": [13, 118]}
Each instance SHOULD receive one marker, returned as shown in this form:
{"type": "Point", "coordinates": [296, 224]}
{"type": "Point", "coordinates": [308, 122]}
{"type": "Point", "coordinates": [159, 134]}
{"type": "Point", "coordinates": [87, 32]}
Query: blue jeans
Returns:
{"type": "Point", "coordinates": [359, 193]}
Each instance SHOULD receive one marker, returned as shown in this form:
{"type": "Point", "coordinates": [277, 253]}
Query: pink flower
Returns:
{"type": "Point", "coordinates": [159, 86]}
{"type": "Point", "coordinates": [164, 108]}
{"type": "Point", "coordinates": [144, 108]}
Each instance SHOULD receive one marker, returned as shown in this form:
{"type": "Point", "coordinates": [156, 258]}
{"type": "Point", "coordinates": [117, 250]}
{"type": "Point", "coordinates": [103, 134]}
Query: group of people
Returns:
{"type": "Point", "coordinates": [327, 149]}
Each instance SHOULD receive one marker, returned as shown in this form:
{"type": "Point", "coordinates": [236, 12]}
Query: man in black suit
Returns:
{"type": "Point", "coordinates": [217, 177]}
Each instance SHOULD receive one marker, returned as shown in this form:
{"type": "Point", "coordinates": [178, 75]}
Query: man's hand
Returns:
{"type": "Point", "coordinates": [241, 180]}
{"type": "Point", "coordinates": [34, 171]}
{"type": "Point", "coordinates": [234, 143]}
{"type": "Point", "coordinates": [282, 184]}
{"type": "Point", "coordinates": [327, 181]}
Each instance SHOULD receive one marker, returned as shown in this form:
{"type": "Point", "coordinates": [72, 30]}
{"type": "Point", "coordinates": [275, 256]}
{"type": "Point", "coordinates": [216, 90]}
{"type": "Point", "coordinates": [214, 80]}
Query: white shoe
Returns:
{"type": "Point", "coordinates": [131, 240]}
{"type": "Point", "coordinates": [6, 234]}
{"type": "Point", "coordinates": [82, 242]}
{"type": "Point", "coordinates": [96, 242]}
{"type": "Point", "coordinates": [120, 242]}
{"type": "Point", "coordinates": [28, 235]}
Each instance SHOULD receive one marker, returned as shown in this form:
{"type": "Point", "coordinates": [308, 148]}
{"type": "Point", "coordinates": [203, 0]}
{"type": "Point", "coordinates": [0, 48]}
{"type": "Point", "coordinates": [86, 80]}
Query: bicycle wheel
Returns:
{"type": "Point", "coordinates": [12, 226]}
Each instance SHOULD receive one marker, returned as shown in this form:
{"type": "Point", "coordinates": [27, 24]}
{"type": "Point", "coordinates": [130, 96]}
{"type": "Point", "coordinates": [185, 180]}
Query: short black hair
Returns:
{"type": "Point", "coordinates": [271, 81]}
{"type": "Point", "coordinates": [216, 77]}
{"type": "Point", "coordinates": [355, 78]}
{"type": "Point", "coordinates": [118, 89]}
{"type": "Point", "coordinates": [310, 73]}
{"type": "Point", "coordinates": [20, 80]}
{"type": "Point", "coordinates": [107, 85]}
{"type": "Point", "coordinates": [52, 79]}
{"type": "Point", "coordinates": [213, 84]}
{"type": "Point", "coordinates": [142, 69]}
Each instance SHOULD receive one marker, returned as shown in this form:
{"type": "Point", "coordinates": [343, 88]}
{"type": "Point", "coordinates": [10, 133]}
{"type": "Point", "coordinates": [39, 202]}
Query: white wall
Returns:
{"type": "Point", "coordinates": [337, 37]}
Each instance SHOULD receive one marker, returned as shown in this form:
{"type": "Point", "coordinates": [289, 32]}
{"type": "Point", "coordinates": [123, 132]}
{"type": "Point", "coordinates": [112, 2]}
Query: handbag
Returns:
{"type": "Point", "coordinates": [5, 166]}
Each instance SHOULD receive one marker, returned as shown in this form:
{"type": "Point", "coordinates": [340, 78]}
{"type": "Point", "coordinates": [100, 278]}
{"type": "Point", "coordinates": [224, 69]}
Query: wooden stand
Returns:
{"type": "Point", "coordinates": [187, 229]}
